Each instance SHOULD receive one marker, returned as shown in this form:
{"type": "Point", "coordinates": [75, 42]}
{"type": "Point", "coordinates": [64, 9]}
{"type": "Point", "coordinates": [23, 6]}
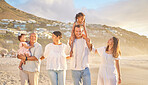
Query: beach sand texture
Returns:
{"type": "Point", "coordinates": [134, 70]}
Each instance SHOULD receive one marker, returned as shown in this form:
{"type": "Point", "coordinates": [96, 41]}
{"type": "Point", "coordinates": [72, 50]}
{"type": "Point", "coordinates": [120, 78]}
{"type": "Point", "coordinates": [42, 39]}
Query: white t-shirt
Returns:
{"type": "Point", "coordinates": [79, 60]}
{"type": "Point", "coordinates": [56, 56]}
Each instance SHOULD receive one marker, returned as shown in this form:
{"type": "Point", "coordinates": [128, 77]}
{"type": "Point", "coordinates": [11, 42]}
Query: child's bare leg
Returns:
{"type": "Point", "coordinates": [20, 65]}
{"type": "Point", "coordinates": [71, 51]}
{"type": "Point", "coordinates": [27, 55]}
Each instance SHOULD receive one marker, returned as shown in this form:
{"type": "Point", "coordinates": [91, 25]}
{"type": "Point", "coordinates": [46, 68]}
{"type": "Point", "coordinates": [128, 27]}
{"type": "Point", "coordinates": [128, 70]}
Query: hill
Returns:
{"type": "Point", "coordinates": [9, 12]}
{"type": "Point", "coordinates": [131, 43]}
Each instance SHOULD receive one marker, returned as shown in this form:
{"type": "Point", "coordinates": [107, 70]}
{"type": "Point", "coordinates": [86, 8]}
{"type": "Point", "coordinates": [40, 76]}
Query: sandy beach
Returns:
{"type": "Point", "coordinates": [134, 71]}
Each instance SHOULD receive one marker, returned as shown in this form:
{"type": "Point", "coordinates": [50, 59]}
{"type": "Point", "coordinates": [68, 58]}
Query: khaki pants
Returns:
{"type": "Point", "coordinates": [29, 78]}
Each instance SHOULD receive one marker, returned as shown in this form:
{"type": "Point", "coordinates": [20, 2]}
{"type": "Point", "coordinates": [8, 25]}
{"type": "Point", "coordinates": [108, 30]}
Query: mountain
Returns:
{"type": "Point", "coordinates": [131, 43]}
{"type": "Point", "coordinates": [9, 12]}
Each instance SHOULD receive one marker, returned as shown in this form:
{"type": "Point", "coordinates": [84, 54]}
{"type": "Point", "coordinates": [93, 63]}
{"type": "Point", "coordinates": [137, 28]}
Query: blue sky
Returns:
{"type": "Point", "coordinates": [131, 15]}
{"type": "Point", "coordinates": [16, 2]}
{"type": "Point", "coordinates": [92, 4]}
{"type": "Point", "coordinates": [89, 4]}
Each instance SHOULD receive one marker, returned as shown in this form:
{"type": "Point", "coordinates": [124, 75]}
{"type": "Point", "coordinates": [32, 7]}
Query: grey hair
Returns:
{"type": "Point", "coordinates": [33, 33]}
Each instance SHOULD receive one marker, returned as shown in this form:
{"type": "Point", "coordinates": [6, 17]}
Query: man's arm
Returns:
{"type": "Point", "coordinates": [32, 58]}
{"type": "Point", "coordinates": [38, 54]}
{"type": "Point", "coordinates": [20, 56]}
{"type": "Point", "coordinates": [23, 57]}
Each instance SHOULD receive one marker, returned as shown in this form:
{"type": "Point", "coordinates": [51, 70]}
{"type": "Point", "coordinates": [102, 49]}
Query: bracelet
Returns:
{"type": "Point", "coordinates": [26, 59]}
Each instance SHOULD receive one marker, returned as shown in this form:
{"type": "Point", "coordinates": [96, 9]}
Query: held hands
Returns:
{"type": "Point", "coordinates": [42, 58]}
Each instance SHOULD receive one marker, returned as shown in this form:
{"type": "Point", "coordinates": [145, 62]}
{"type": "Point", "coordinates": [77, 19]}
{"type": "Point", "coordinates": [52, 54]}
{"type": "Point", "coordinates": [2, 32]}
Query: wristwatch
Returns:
{"type": "Point", "coordinates": [26, 59]}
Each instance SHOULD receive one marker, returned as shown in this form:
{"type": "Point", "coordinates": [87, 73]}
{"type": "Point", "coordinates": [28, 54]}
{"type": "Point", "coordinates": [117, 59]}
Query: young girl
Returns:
{"type": "Point", "coordinates": [79, 20]}
{"type": "Point", "coordinates": [23, 48]}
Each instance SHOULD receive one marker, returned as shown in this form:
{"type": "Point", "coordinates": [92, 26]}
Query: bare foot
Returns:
{"type": "Point", "coordinates": [20, 68]}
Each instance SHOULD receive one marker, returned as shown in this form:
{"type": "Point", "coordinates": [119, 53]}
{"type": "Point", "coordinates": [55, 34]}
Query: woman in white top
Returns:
{"type": "Point", "coordinates": [109, 71]}
{"type": "Point", "coordinates": [56, 59]}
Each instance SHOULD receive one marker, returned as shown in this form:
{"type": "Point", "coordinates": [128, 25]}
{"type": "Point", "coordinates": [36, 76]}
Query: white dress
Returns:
{"type": "Point", "coordinates": [107, 72]}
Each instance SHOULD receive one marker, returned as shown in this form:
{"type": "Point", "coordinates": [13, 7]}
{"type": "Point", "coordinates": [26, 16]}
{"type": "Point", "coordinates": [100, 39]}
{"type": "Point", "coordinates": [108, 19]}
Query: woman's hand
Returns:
{"type": "Point", "coordinates": [68, 57]}
{"type": "Point", "coordinates": [119, 80]}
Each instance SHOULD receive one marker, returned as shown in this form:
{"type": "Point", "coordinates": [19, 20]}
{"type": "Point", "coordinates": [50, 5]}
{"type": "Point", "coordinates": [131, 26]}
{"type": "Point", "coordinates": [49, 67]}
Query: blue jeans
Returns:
{"type": "Point", "coordinates": [83, 75]}
{"type": "Point", "coordinates": [57, 77]}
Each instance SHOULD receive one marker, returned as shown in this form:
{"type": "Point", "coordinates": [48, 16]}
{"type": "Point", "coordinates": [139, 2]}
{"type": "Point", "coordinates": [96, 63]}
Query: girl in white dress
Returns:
{"type": "Point", "coordinates": [109, 71]}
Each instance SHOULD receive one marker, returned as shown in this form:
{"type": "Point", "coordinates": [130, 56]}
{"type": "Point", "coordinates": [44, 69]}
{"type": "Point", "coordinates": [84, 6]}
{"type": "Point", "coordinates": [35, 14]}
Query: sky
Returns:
{"type": "Point", "coordinates": [131, 15]}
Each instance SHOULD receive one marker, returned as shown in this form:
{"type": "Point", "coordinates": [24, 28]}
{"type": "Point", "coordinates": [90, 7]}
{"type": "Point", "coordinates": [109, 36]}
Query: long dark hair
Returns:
{"type": "Point", "coordinates": [80, 14]}
{"type": "Point", "coordinates": [116, 48]}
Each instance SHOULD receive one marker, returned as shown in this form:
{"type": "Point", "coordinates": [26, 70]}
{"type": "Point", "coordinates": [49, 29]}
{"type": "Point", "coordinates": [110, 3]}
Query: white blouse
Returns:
{"type": "Point", "coordinates": [56, 56]}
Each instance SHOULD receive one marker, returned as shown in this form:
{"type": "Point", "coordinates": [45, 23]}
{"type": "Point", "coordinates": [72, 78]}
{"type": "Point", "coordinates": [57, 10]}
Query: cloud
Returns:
{"type": "Point", "coordinates": [62, 10]}
{"type": "Point", "coordinates": [128, 14]}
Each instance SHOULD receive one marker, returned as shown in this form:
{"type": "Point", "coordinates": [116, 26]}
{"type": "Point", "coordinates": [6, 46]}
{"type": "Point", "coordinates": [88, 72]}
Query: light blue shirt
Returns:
{"type": "Point", "coordinates": [34, 66]}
